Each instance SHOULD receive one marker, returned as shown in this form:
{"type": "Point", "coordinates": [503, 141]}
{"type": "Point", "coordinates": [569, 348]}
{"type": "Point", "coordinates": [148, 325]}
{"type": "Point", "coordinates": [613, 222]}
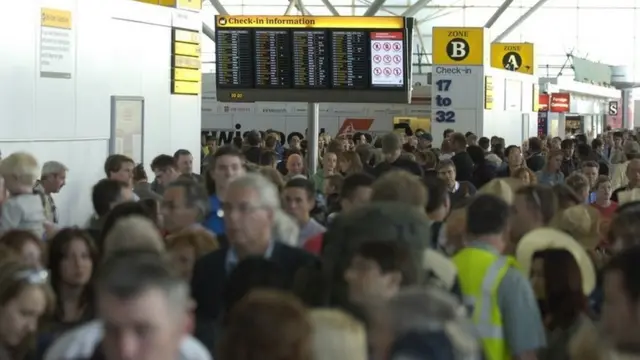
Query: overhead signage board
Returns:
{"type": "Point", "coordinates": [458, 46]}
{"type": "Point", "coordinates": [518, 57]}
{"type": "Point", "coordinates": [313, 59]}
{"type": "Point", "coordinates": [185, 62]}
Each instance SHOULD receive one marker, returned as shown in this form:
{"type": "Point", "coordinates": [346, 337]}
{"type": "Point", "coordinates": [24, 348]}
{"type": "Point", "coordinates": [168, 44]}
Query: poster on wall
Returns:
{"type": "Point", "coordinates": [127, 126]}
{"type": "Point", "coordinates": [57, 53]}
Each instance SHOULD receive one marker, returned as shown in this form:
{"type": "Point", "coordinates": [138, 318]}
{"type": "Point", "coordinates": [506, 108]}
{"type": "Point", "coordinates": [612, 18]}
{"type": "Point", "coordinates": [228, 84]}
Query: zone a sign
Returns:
{"type": "Point", "coordinates": [458, 46]}
{"type": "Point", "coordinates": [518, 57]}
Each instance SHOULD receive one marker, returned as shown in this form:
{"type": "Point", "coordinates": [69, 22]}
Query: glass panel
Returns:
{"type": "Point", "coordinates": [553, 31]}
{"type": "Point", "coordinates": [606, 36]}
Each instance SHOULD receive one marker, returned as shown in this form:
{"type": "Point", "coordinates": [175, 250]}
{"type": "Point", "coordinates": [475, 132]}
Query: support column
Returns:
{"type": "Point", "coordinates": [313, 128]}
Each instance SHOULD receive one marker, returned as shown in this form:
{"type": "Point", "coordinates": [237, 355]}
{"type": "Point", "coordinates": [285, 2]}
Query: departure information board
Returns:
{"type": "Point", "coordinates": [313, 59]}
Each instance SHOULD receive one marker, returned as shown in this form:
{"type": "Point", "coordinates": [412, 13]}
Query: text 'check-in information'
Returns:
{"type": "Point", "coordinates": [57, 58]}
{"type": "Point", "coordinates": [312, 58]}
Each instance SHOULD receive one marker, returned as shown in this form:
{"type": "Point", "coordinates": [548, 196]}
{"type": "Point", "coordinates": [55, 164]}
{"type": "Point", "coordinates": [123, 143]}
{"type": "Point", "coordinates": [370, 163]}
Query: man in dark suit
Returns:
{"type": "Point", "coordinates": [251, 213]}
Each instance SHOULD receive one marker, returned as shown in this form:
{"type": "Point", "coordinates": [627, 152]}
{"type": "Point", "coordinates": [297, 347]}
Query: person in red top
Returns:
{"type": "Point", "coordinates": [356, 191]}
{"type": "Point", "coordinates": [605, 206]}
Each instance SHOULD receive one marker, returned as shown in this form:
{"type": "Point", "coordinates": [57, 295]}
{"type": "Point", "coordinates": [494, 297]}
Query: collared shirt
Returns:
{"type": "Point", "coordinates": [215, 220]}
{"type": "Point", "coordinates": [231, 260]}
{"type": "Point", "coordinates": [49, 205]}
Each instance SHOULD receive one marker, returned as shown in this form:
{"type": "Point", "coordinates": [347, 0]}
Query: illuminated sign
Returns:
{"type": "Point", "coordinates": [185, 55]}
{"type": "Point", "coordinates": [488, 92]}
{"type": "Point", "coordinates": [311, 22]}
{"type": "Point", "coordinates": [313, 58]}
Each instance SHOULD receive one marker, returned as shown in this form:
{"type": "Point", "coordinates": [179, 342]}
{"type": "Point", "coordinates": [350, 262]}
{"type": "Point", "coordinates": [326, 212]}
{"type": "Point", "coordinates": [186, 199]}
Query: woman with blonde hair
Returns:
{"type": "Point", "coordinates": [337, 336]}
{"type": "Point", "coordinates": [551, 174]}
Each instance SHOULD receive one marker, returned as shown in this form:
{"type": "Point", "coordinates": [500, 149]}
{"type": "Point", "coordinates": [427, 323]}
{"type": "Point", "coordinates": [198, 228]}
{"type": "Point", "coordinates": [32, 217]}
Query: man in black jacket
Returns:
{"type": "Point", "coordinates": [392, 149]}
{"type": "Point", "coordinates": [461, 159]}
{"type": "Point", "coordinates": [255, 226]}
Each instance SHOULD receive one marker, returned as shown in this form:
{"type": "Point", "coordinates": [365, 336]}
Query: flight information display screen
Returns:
{"type": "Point", "coordinates": [313, 59]}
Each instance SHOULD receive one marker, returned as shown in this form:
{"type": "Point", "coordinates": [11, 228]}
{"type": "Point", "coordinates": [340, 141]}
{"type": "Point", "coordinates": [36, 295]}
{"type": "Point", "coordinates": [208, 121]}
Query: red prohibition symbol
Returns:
{"type": "Point", "coordinates": [397, 71]}
{"type": "Point", "coordinates": [377, 58]}
{"type": "Point", "coordinates": [376, 46]}
{"type": "Point", "coordinates": [386, 46]}
{"type": "Point", "coordinates": [387, 71]}
{"type": "Point", "coordinates": [377, 71]}
{"type": "Point", "coordinates": [397, 46]}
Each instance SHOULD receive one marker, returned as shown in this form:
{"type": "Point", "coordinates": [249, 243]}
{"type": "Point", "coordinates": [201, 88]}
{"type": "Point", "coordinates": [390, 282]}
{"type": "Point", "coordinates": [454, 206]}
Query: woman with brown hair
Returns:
{"type": "Point", "coordinates": [268, 325]}
{"type": "Point", "coordinates": [25, 296]}
{"type": "Point", "coordinates": [187, 247]}
{"type": "Point", "coordinates": [26, 245]}
{"type": "Point", "coordinates": [349, 163]}
{"type": "Point", "coordinates": [525, 175]}
{"type": "Point", "coordinates": [73, 257]}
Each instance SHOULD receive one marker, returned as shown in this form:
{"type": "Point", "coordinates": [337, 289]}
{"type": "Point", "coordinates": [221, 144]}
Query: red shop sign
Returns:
{"type": "Point", "coordinates": [543, 102]}
{"type": "Point", "coordinates": [559, 102]}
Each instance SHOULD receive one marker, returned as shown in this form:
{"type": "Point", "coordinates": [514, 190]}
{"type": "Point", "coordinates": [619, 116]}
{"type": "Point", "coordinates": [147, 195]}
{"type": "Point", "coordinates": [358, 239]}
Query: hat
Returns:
{"type": "Point", "coordinates": [582, 222]}
{"type": "Point", "coordinates": [426, 136]}
{"type": "Point", "coordinates": [547, 238]}
{"type": "Point", "coordinates": [628, 196]}
{"type": "Point", "coordinates": [504, 188]}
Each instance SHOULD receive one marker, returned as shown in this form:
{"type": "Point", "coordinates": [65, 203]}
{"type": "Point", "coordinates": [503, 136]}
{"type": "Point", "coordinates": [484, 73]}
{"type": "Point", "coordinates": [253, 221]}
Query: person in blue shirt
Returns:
{"type": "Point", "coordinates": [225, 165]}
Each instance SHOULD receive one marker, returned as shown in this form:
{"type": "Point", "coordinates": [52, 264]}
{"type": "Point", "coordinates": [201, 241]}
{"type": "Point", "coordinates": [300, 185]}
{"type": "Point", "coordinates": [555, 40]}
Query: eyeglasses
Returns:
{"type": "Point", "coordinates": [34, 276]}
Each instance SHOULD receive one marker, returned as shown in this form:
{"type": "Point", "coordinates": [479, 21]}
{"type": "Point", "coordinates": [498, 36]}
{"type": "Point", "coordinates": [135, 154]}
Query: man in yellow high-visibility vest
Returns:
{"type": "Point", "coordinates": [502, 304]}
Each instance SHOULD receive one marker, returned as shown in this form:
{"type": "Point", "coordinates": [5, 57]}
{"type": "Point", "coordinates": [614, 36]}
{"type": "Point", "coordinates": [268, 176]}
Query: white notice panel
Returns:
{"type": "Point", "coordinates": [387, 59]}
{"type": "Point", "coordinates": [57, 54]}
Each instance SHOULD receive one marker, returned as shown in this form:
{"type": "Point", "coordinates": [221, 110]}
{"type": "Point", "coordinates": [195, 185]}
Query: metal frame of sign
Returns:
{"type": "Point", "coordinates": [370, 94]}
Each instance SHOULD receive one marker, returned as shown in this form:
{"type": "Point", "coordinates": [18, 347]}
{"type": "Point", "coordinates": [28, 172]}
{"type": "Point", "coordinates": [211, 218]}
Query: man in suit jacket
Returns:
{"type": "Point", "coordinates": [252, 217]}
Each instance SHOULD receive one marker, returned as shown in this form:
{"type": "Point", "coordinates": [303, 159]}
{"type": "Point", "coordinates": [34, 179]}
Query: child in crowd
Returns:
{"type": "Point", "coordinates": [23, 209]}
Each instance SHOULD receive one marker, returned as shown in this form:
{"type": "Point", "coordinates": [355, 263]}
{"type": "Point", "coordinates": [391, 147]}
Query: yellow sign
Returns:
{"type": "Point", "coordinates": [311, 22]}
{"type": "Point", "coordinates": [516, 57]}
{"type": "Point", "coordinates": [186, 62]}
{"type": "Point", "coordinates": [186, 87]}
{"type": "Point", "coordinates": [189, 4]}
{"type": "Point", "coordinates": [186, 36]}
{"type": "Point", "coordinates": [187, 75]}
{"type": "Point", "coordinates": [536, 98]}
{"type": "Point", "coordinates": [488, 92]}
{"type": "Point", "coordinates": [458, 46]}
{"type": "Point", "coordinates": [54, 18]}
{"type": "Point", "coordinates": [154, 2]}
{"type": "Point", "coordinates": [186, 49]}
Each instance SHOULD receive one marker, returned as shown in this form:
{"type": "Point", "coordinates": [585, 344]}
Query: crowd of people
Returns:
{"type": "Point", "coordinates": [393, 248]}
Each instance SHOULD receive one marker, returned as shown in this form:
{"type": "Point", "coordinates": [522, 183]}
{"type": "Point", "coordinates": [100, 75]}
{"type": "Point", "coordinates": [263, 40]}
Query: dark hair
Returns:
{"type": "Point", "coordinates": [508, 150]}
{"type": "Point", "coordinates": [581, 139]}
{"type": "Point", "coordinates": [139, 173]}
{"type": "Point", "coordinates": [58, 247]}
{"type": "Point", "coordinates": [567, 144]}
{"type": "Point", "coordinates": [253, 138]}
{"type": "Point", "coordinates": [226, 150]}
{"type": "Point", "coordinates": [445, 164]}
{"type": "Point", "coordinates": [477, 154]}
{"type": "Point", "coordinates": [542, 199]}
{"type": "Point", "coordinates": [437, 193]}
{"type": "Point", "coordinates": [301, 183]}
{"type": "Point", "coordinates": [391, 256]}
{"type": "Point", "coordinates": [535, 144]}
{"type": "Point", "coordinates": [105, 193]}
{"type": "Point", "coordinates": [596, 143]}
{"type": "Point", "coordinates": [181, 152]}
{"type": "Point", "coordinates": [163, 162]}
{"type": "Point", "coordinates": [195, 196]}
{"type": "Point", "coordinates": [114, 163]}
{"type": "Point", "coordinates": [352, 182]}
{"type": "Point", "coordinates": [268, 158]}
{"type": "Point", "coordinates": [593, 164]}
{"type": "Point", "coordinates": [487, 215]}
{"type": "Point", "coordinates": [15, 239]}
{"type": "Point", "coordinates": [458, 139]}
{"type": "Point", "coordinates": [238, 141]}
{"type": "Point", "coordinates": [125, 210]}
{"type": "Point", "coordinates": [484, 143]}
{"type": "Point", "coordinates": [446, 132]}
{"type": "Point", "coordinates": [625, 226]}
{"type": "Point", "coordinates": [626, 263]}
{"type": "Point", "coordinates": [565, 299]}
{"type": "Point", "coordinates": [468, 133]}
{"type": "Point", "coordinates": [250, 274]}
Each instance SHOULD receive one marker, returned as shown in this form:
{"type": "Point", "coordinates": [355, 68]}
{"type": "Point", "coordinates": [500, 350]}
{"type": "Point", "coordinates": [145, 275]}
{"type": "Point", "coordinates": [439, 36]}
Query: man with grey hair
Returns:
{"type": "Point", "coordinates": [185, 204]}
{"type": "Point", "coordinates": [392, 151]}
{"type": "Point", "coordinates": [52, 178]}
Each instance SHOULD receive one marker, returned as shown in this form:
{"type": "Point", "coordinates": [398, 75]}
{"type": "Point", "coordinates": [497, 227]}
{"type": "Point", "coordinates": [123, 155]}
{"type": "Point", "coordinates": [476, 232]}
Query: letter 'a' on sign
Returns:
{"type": "Point", "coordinates": [518, 57]}
{"type": "Point", "coordinates": [458, 46]}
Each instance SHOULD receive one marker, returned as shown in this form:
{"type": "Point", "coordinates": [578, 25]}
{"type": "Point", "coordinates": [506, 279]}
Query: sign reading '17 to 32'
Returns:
{"type": "Point", "coordinates": [313, 58]}
{"type": "Point", "coordinates": [518, 57]}
{"type": "Point", "coordinates": [458, 46]}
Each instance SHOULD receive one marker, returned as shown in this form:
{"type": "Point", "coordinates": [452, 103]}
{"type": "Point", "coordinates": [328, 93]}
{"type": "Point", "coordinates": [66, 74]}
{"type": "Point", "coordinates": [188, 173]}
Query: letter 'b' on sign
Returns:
{"type": "Point", "coordinates": [458, 49]}
{"type": "Point", "coordinates": [458, 46]}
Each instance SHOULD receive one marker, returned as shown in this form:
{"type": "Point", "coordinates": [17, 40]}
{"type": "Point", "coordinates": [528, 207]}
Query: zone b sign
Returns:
{"type": "Point", "coordinates": [516, 57]}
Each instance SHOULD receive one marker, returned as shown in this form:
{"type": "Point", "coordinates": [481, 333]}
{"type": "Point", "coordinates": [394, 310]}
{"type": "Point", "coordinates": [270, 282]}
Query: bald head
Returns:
{"type": "Point", "coordinates": [294, 164]}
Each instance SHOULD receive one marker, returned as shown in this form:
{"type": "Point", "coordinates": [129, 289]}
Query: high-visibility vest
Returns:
{"type": "Point", "coordinates": [480, 273]}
